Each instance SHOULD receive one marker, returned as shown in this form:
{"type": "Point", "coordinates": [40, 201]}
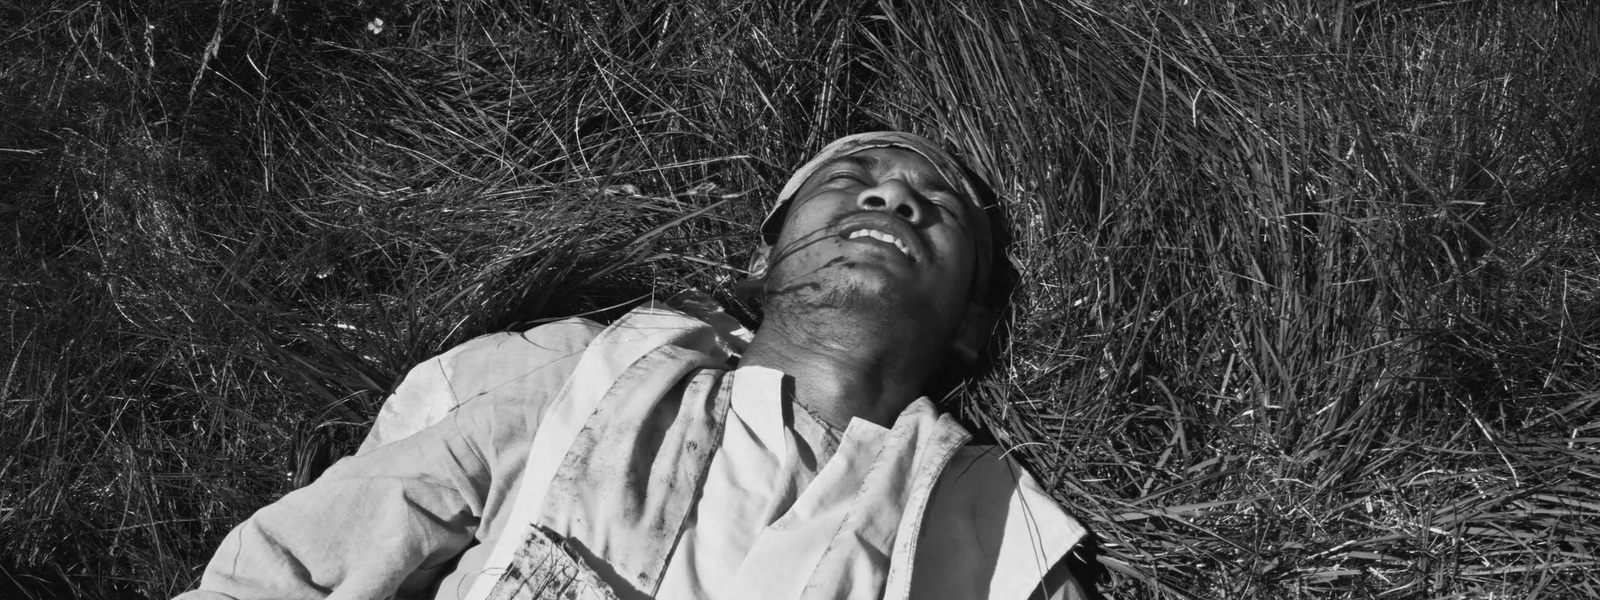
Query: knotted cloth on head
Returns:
{"type": "Point", "coordinates": [973, 190]}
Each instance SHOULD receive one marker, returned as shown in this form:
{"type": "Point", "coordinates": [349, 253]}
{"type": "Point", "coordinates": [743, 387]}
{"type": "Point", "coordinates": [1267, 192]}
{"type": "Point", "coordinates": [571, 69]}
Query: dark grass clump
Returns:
{"type": "Point", "coordinates": [1308, 304]}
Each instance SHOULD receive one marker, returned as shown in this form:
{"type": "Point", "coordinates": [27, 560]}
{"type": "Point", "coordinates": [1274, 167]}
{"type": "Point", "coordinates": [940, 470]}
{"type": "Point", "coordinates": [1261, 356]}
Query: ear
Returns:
{"type": "Point", "coordinates": [973, 335]}
{"type": "Point", "coordinates": [755, 283]}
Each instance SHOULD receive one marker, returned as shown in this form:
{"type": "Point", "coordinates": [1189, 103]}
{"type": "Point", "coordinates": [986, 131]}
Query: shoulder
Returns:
{"type": "Point", "coordinates": [990, 530]}
{"type": "Point", "coordinates": [522, 366]}
{"type": "Point", "coordinates": [545, 343]}
{"type": "Point", "coordinates": [490, 362]}
{"type": "Point", "coordinates": [525, 371]}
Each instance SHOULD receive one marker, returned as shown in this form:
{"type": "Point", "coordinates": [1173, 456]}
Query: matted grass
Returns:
{"type": "Point", "coordinates": [1309, 293]}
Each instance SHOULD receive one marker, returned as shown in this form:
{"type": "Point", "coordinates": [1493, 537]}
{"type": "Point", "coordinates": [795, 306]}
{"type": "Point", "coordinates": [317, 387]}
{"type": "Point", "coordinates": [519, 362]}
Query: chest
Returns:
{"type": "Point", "coordinates": [637, 454]}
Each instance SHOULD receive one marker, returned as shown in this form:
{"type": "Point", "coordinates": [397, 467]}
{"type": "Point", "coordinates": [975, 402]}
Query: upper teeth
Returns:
{"type": "Point", "coordinates": [882, 237]}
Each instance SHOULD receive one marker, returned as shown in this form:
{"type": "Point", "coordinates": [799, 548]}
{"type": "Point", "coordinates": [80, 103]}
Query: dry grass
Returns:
{"type": "Point", "coordinates": [1309, 300]}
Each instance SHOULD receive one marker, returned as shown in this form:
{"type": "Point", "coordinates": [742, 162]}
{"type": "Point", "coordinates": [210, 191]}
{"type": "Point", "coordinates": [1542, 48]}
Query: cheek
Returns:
{"type": "Point", "coordinates": [960, 250]}
{"type": "Point", "coordinates": [960, 270]}
{"type": "Point", "coordinates": [803, 239]}
{"type": "Point", "coordinates": [809, 218]}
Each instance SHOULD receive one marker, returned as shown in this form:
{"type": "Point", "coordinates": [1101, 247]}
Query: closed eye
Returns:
{"type": "Point", "coordinates": [850, 176]}
{"type": "Point", "coordinates": [948, 207]}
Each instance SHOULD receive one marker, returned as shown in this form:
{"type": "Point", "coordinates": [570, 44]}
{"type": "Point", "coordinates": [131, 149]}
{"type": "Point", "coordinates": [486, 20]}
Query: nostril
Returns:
{"type": "Point", "coordinates": [873, 201]}
{"type": "Point", "coordinates": [905, 211]}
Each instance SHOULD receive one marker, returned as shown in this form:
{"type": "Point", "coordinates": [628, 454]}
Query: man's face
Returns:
{"type": "Point", "coordinates": [878, 231]}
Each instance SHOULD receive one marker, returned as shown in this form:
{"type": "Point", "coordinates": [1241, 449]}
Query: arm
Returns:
{"type": "Point", "coordinates": [368, 525]}
{"type": "Point", "coordinates": [392, 518]}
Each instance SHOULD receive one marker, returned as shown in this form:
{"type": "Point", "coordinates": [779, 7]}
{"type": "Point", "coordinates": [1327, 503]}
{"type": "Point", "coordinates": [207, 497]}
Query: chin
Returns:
{"type": "Point", "coordinates": [869, 298]}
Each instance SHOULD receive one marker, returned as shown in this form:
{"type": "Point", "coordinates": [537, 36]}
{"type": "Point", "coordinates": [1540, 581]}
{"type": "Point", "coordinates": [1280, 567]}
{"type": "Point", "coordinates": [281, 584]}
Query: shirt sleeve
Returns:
{"type": "Point", "coordinates": [390, 520]}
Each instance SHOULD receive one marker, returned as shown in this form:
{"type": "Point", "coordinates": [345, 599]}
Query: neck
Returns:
{"type": "Point", "coordinates": [842, 368]}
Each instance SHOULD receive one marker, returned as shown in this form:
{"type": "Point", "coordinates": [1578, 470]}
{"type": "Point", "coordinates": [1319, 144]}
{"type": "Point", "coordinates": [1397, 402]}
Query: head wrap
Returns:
{"type": "Point", "coordinates": [973, 190]}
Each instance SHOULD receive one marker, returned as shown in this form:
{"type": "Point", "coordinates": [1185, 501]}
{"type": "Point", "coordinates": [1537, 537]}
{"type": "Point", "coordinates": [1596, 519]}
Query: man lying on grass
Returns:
{"type": "Point", "coordinates": [636, 461]}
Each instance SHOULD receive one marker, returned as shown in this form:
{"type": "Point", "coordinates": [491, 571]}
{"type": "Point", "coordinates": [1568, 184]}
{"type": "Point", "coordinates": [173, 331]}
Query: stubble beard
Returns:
{"type": "Point", "coordinates": [820, 305]}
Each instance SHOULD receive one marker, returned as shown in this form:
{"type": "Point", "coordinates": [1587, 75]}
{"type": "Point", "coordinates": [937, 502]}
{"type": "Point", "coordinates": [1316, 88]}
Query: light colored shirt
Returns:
{"type": "Point", "coordinates": [764, 464]}
{"type": "Point", "coordinates": [412, 510]}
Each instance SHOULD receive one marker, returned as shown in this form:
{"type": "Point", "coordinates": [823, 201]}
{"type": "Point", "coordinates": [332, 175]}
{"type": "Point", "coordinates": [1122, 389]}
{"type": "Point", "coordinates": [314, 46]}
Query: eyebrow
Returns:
{"type": "Point", "coordinates": [933, 182]}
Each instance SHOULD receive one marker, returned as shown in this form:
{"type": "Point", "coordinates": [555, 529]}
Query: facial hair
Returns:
{"type": "Point", "coordinates": [822, 297]}
{"type": "Point", "coordinates": [835, 292]}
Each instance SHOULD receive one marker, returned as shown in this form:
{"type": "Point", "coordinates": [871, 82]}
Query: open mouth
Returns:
{"type": "Point", "coordinates": [882, 236]}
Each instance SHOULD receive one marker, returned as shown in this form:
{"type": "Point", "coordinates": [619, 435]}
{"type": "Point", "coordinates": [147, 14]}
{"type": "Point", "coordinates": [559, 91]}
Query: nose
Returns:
{"type": "Point", "coordinates": [892, 195]}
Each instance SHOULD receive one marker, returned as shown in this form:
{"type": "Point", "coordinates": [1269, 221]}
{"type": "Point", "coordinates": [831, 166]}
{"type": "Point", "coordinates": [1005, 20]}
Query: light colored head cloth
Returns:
{"type": "Point", "coordinates": [973, 190]}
